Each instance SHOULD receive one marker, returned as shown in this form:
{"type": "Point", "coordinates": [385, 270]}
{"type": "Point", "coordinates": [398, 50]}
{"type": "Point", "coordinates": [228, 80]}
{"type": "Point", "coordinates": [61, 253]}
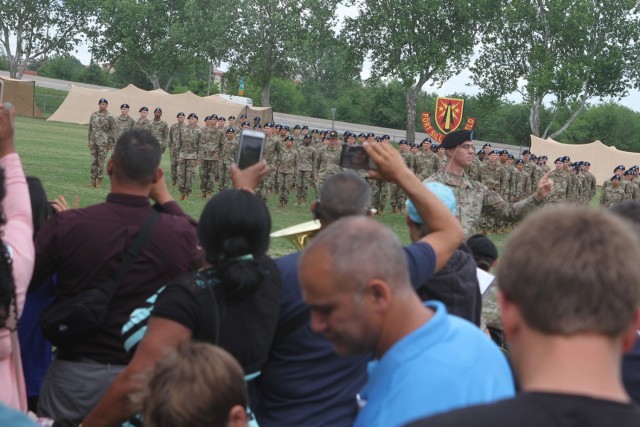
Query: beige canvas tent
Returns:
{"type": "Point", "coordinates": [81, 102]}
{"type": "Point", "coordinates": [21, 94]}
{"type": "Point", "coordinates": [603, 159]}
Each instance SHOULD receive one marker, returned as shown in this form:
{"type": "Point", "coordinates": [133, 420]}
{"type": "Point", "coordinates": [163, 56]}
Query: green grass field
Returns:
{"type": "Point", "coordinates": [57, 153]}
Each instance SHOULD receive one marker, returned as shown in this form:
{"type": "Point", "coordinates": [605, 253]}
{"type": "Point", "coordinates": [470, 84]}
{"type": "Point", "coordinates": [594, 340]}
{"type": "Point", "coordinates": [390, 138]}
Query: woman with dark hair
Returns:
{"type": "Point", "coordinates": [17, 258]}
{"type": "Point", "coordinates": [233, 301]}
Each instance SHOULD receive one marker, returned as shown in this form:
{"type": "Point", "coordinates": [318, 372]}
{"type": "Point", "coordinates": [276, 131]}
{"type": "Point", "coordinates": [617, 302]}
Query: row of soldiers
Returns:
{"type": "Point", "coordinates": [623, 185]}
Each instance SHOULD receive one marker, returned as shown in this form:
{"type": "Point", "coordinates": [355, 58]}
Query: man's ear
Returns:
{"type": "Point", "coordinates": [110, 166]}
{"type": "Point", "coordinates": [379, 294]}
{"type": "Point", "coordinates": [631, 334]}
{"type": "Point", "coordinates": [158, 175]}
{"type": "Point", "coordinates": [314, 209]}
{"type": "Point", "coordinates": [237, 417]}
{"type": "Point", "coordinates": [510, 315]}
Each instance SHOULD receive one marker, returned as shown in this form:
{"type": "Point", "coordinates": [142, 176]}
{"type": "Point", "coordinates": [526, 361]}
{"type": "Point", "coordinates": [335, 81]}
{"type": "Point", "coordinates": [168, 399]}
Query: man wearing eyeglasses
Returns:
{"type": "Point", "coordinates": [473, 197]}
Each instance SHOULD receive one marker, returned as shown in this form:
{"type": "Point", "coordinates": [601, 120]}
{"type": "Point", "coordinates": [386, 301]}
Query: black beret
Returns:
{"type": "Point", "coordinates": [504, 152]}
{"type": "Point", "coordinates": [558, 160]}
{"type": "Point", "coordinates": [482, 247]}
{"type": "Point", "coordinates": [257, 119]}
{"type": "Point", "coordinates": [289, 138]}
{"type": "Point", "coordinates": [180, 114]}
{"type": "Point", "coordinates": [221, 118]}
{"type": "Point", "coordinates": [566, 159]}
{"type": "Point", "coordinates": [453, 139]}
{"type": "Point", "coordinates": [511, 156]}
{"type": "Point", "coordinates": [243, 116]}
{"type": "Point", "coordinates": [615, 177]}
{"type": "Point", "coordinates": [526, 152]}
{"type": "Point", "coordinates": [629, 172]}
{"type": "Point", "coordinates": [143, 109]}
{"type": "Point", "coordinates": [333, 135]}
{"type": "Point", "coordinates": [102, 101]}
{"type": "Point", "coordinates": [362, 134]}
{"type": "Point", "coordinates": [314, 131]}
{"type": "Point", "coordinates": [305, 127]}
{"type": "Point", "coordinates": [371, 135]}
{"type": "Point", "coordinates": [403, 142]}
{"type": "Point", "coordinates": [124, 106]}
{"type": "Point", "coordinates": [427, 139]}
{"type": "Point", "coordinates": [285, 127]}
{"type": "Point", "coordinates": [213, 116]}
{"type": "Point", "coordinates": [192, 116]}
{"type": "Point", "coordinates": [307, 136]}
{"type": "Point", "coordinates": [296, 127]}
{"type": "Point", "coordinates": [519, 162]}
{"type": "Point", "coordinates": [158, 109]}
{"type": "Point", "coordinates": [231, 130]}
{"type": "Point", "coordinates": [232, 117]}
{"type": "Point", "coordinates": [257, 126]}
{"type": "Point", "coordinates": [246, 124]}
{"type": "Point", "coordinates": [486, 145]}
{"type": "Point", "coordinates": [621, 167]}
{"type": "Point", "coordinates": [386, 136]}
{"type": "Point", "coordinates": [587, 164]}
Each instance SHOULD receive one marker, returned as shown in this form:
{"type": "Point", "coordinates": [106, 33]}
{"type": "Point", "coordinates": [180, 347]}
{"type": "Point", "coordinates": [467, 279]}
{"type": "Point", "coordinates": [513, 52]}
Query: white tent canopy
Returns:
{"type": "Point", "coordinates": [81, 102]}
{"type": "Point", "coordinates": [603, 159]}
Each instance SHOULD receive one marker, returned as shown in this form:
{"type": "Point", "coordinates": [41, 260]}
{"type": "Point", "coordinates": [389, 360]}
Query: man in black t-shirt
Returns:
{"type": "Point", "coordinates": [569, 314]}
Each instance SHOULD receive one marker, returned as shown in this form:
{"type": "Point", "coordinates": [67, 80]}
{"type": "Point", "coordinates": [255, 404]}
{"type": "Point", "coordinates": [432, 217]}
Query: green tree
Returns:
{"type": "Point", "coordinates": [154, 36]}
{"type": "Point", "coordinates": [64, 67]}
{"type": "Point", "coordinates": [270, 36]}
{"type": "Point", "coordinates": [564, 51]}
{"type": "Point", "coordinates": [32, 29]}
{"type": "Point", "coordinates": [415, 41]}
{"type": "Point", "coordinates": [95, 75]}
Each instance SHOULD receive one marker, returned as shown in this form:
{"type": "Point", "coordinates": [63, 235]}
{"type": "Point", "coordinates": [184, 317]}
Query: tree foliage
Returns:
{"type": "Point", "coordinates": [564, 51]}
{"type": "Point", "coordinates": [32, 29]}
{"type": "Point", "coordinates": [415, 41]}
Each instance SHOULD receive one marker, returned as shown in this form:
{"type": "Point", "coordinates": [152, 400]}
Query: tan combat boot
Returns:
{"type": "Point", "coordinates": [173, 182]}
{"type": "Point", "coordinates": [98, 183]}
{"type": "Point", "coordinates": [92, 183]}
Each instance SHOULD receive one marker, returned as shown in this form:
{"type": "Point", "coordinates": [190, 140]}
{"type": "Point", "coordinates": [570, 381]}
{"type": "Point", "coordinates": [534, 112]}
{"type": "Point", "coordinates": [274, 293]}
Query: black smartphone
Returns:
{"type": "Point", "coordinates": [354, 157]}
{"type": "Point", "coordinates": [251, 148]}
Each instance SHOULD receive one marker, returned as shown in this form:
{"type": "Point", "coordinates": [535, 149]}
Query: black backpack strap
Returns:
{"type": "Point", "coordinates": [133, 250]}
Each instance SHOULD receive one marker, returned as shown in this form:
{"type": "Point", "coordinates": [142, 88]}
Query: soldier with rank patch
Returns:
{"type": "Point", "coordinates": [228, 153]}
{"type": "Point", "coordinates": [160, 128]}
{"type": "Point", "coordinates": [143, 121]}
{"type": "Point", "coordinates": [613, 193]}
{"type": "Point", "coordinates": [289, 158]}
{"type": "Point", "coordinates": [329, 159]}
{"type": "Point", "coordinates": [306, 165]}
{"type": "Point", "coordinates": [190, 154]}
{"type": "Point", "coordinates": [102, 127]}
{"type": "Point", "coordinates": [124, 122]}
{"type": "Point", "coordinates": [175, 142]}
{"type": "Point", "coordinates": [212, 140]}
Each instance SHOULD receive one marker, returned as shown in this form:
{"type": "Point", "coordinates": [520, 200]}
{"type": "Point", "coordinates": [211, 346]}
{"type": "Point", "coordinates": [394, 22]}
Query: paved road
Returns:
{"type": "Point", "coordinates": [290, 119]}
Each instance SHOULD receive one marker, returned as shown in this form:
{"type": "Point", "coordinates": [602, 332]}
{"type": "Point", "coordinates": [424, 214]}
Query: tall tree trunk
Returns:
{"type": "Point", "coordinates": [411, 98]}
{"type": "Point", "coordinates": [266, 93]}
{"type": "Point", "coordinates": [534, 116]}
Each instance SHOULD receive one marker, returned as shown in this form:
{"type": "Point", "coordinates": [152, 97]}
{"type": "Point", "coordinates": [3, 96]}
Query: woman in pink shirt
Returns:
{"type": "Point", "coordinates": [17, 258]}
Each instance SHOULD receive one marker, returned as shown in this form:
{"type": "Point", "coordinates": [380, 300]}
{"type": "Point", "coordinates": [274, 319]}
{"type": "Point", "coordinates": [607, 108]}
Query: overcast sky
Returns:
{"type": "Point", "coordinates": [460, 83]}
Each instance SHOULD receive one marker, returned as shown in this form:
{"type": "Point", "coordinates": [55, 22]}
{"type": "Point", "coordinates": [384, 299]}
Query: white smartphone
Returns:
{"type": "Point", "coordinates": [251, 148]}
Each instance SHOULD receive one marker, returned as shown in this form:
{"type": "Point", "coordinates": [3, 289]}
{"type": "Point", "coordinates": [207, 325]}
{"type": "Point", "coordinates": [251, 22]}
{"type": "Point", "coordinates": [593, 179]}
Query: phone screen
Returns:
{"type": "Point", "coordinates": [251, 147]}
{"type": "Point", "coordinates": [355, 157]}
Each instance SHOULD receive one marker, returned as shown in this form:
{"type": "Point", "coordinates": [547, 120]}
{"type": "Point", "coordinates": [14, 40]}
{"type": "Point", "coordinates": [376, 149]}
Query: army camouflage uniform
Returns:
{"type": "Point", "coordinates": [493, 176]}
{"type": "Point", "coordinates": [212, 139]}
{"type": "Point", "coordinates": [190, 153]}
{"type": "Point", "coordinates": [143, 124]}
{"type": "Point", "coordinates": [122, 125]}
{"type": "Point", "coordinates": [440, 162]}
{"type": "Point", "coordinates": [160, 129]}
{"type": "Point", "coordinates": [289, 158]}
{"type": "Point", "coordinates": [632, 191]}
{"type": "Point", "coordinates": [581, 186]}
{"type": "Point", "coordinates": [609, 196]}
{"type": "Point", "coordinates": [474, 169]}
{"type": "Point", "coordinates": [425, 165]}
{"type": "Point", "coordinates": [328, 164]}
{"type": "Point", "coordinates": [473, 198]}
{"type": "Point", "coordinates": [396, 194]}
{"type": "Point", "coordinates": [175, 142]}
{"type": "Point", "coordinates": [305, 175]}
{"type": "Point", "coordinates": [228, 155]}
{"type": "Point", "coordinates": [591, 186]}
{"type": "Point", "coordinates": [271, 154]}
{"type": "Point", "coordinates": [520, 184]}
{"type": "Point", "coordinates": [530, 168]}
{"type": "Point", "coordinates": [101, 133]}
{"type": "Point", "coordinates": [560, 191]}
{"type": "Point", "coordinates": [490, 312]}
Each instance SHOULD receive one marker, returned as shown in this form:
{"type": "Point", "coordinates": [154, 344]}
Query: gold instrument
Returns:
{"type": "Point", "coordinates": [300, 234]}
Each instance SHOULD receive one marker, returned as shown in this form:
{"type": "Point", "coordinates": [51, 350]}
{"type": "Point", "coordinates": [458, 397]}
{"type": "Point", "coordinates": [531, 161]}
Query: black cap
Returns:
{"type": "Point", "coordinates": [289, 138]}
{"type": "Point", "coordinates": [213, 116]}
{"type": "Point", "coordinates": [246, 124]}
{"type": "Point", "coordinates": [629, 172]}
{"type": "Point", "coordinates": [243, 116]}
{"type": "Point", "coordinates": [615, 177]}
{"type": "Point", "coordinates": [486, 145]}
{"type": "Point", "coordinates": [314, 131]}
{"type": "Point", "coordinates": [511, 156]}
{"type": "Point", "coordinates": [102, 101]}
{"type": "Point", "coordinates": [386, 136]}
{"type": "Point", "coordinates": [257, 126]}
{"type": "Point", "coordinates": [221, 118]}
{"type": "Point", "coordinates": [559, 160]}
{"type": "Point", "coordinates": [427, 139]}
{"type": "Point", "coordinates": [371, 135]}
{"type": "Point", "coordinates": [231, 130]}
{"type": "Point", "coordinates": [123, 106]}
{"type": "Point", "coordinates": [566, 158]}
{"type": "Point", "coordinates": [621, 167]}
{"type": "Point", "coordinates": [296, 127]}
{"type": "Point", "coordinates": [587, 164]}
{"type": "Point", "coordinates": [158, 109]}
{"type": "Point", "coordinates": [307, 136]}
{"type": "Point", "coordinates": [333, 135]}
{"type": "Point", "coordinates": [504, 152]}
{"type": "Point", "coordinates": [232, 117]}
{"type": "Point", "coordinates": [143, 109]}
{"type": "Point", "coordinates": [403, 142]}
{"type": "Point", "coordinates": [285, 127]}
{"type": "Point", "coordinates": [519, 162]}
{"type": "Point", "coordinates": [192, 116]}
{"type": "Point", "coordinates": [453, 139]}
{"type": "Point", "coordinates": [526, 152]}
{"type": "Point", "coordinates": [482, 247]}
{"type": "Point", "coordinates": [180, 114]}
{"type": "Point", "coordinates": [305, 127]}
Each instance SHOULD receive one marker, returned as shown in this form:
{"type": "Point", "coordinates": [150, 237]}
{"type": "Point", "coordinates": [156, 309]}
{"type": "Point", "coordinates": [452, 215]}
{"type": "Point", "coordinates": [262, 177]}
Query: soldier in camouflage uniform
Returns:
{"type": "Point", "coordinates": [190, 154]}
{"type": "Point", "coordinates": [440, 157]}
{"type": "Point", "coordinates": [581, 184]}
{"type": "Point", "coordinates": [271, 154]}
{"type": "Point", "coordinates": [519, 183]}
{"type": "Point", "coordinates": [306, 165]}
{"type": "Point", "coordinates": [425, 163]}
{"type": "Point", "coordinates": [228, 155]}
{"type": "Point", "coordinates": [102, 127]}
{"type": "Point", "coordinates": [212, 139]}
{"type": "Point", "coordinates": [474, 197]}
{"type": "Point", "coordinates": [613, 193]}
{"type": "Point", "coordinates": [379, 189]}
{"type": "Point", "coordinates": [289, 159]}
{"type": "Point", "coordinates": [160, 128]}
{"type": "Point", "coordinates": [396, 194]}
{"type": "Point", "coordinates": [493, 176]}
{"type": "Point", "coordinates": [175, 142]}
{"type": "Point", "coordinates": [633, 191]}
{"type": "Point", "coordinates": [560, 191]}
{"type": "Point", "coordinates": [143, 121]}
{"type": "Point", "coordinates": [297, 136]}
{"type": "Point", "coordinates": [591, 182]}
{"type": "Point", "coordinates": [329, 160]}
{"type": "Point", "coordinates": [124, 122]}
{"type": "Point", "coordinates": [473, 171]}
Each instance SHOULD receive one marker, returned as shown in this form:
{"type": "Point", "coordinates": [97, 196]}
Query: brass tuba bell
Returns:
{"type": "Point", "coordinates": [300, 234]}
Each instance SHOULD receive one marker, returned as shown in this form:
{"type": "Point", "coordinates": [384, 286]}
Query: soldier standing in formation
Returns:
{"type": "Point", "coordinates": [425, 164]}
{"type": "Point", "coordinates": [492, 175]}
{"type": "Point", "coordinates": [329, 159]}
{"type": "Point", "coordinates": [124, 122]}
{"type": "Point", "coordinates": [190, 153]}
{"type": "Point", "coordinates": [143, 121]}
{"type": "Point", "coordinates": [520, 183]}
{"type": "Point", "coordinates": [175, 142]}
{"type": "Point", "coordinates": [289, 159]}
{"type": "Point", "coordinates": [612, 193]}
{"type": "Point", "coordinates": [397, 196]}
{"type": "Point", "coordinates": [102, 128]}
{"type": "Point", "coordinates": [228, 153]}
{"type": "Point", "coordinates": [159, 128]}
{"type": "Point", "coordinates": [306, 165]}
{"type": "Point", "coordinates": [211, 146]}
{"type": "Point", "coordinates": [560, 191]}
